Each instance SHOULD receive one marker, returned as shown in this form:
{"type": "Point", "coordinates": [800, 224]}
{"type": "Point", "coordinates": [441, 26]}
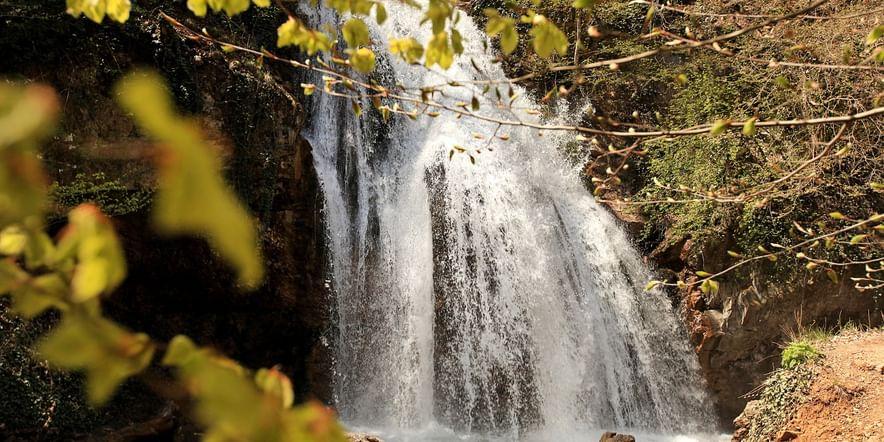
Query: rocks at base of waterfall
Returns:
{"type": "Point", "coordinates": [742, 422]}
{"type": "Point", "coordinates": [362, 437]}
{"type": "Point", "coordinates": [615, 437]}
{"type": "Point", "coordinates": [787, 435]}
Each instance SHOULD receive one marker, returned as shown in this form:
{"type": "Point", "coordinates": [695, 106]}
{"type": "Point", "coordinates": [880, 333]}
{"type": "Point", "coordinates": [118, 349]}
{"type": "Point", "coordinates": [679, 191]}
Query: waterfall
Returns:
{"type": "Point", "coordinates": [495, 298]}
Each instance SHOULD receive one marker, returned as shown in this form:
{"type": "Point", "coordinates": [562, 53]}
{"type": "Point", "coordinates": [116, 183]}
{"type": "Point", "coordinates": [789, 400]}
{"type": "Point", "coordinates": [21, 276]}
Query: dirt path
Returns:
{"type": "Point", "coordinates": [846, 399]}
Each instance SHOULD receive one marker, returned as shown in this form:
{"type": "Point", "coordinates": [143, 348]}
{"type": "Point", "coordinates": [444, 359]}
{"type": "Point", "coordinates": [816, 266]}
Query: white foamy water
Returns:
{"type": "Point", "coordinates": [494, 301]}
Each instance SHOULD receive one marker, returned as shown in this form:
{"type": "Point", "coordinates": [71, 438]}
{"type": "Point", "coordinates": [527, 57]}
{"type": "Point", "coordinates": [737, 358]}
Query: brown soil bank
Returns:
{"type": "Point", "coordinates": [839, 396]}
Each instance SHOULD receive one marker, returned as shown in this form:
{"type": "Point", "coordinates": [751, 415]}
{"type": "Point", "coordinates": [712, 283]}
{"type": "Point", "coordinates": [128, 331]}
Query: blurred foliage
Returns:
{"type": "Point", "coordinates": [86, 260]}
{"type": "Point", "coordinates": [192, 197]}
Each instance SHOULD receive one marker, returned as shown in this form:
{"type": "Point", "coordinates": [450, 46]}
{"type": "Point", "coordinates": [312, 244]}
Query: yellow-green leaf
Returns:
{"type": "Point", "coordinates": [362, 59]}
{"type": "Point", "coordinates": [311, 41]}
{"type": "Point", "coordinates": [547, 37]}
{"type": "Point", "coordinates": [192, 196]}
{"type": "Point", "coordinates": [875, 35]}
{"type": "Point", "coordinates": [719, 127]}
{"type": "Point", "coordinates": [749, 127]}
{"type": "Point", "coordinates": [106, 352]}
{"type": "Point", "coordinates": [408, 48]}
{"type": "Point", "coordinates": [274, 382]}
{"type": "Point", "coordinates": [439, 51]}
{"type": "Point", "coordinates": [355, 33]}
{"type": "Point", "coordinates": [13, 240]}
{"type": "Point", "coordinates": [856, 239]}
{"type": "Point", "coordinates": [96, 10]}
{"type": "Point", "coordinates": [503, 26]}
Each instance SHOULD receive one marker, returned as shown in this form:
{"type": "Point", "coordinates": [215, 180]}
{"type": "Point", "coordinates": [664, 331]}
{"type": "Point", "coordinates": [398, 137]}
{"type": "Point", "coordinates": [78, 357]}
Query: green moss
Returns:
{"type": "Point", "coordinates": [701, 163]}
{"type": "Point", "coordinates": [109, 194]}
{"type": "Point", "coordinates": [758, 226]}
{"type": "Point", "coordinates": [620, 15]}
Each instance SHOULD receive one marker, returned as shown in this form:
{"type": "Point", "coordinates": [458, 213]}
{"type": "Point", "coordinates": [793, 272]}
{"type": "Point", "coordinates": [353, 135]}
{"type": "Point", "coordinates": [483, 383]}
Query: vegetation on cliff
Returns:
{"type": "Point", "coordinates": [832, 392]}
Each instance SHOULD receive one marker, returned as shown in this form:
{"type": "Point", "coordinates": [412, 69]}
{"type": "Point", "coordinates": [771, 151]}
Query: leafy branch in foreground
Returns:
{"type": "Point", "coordinates": [429, 101]}
{"type": "Point", "coordinates": [548, 41]}
{"type": "Point", "coordinates": [86, 261]}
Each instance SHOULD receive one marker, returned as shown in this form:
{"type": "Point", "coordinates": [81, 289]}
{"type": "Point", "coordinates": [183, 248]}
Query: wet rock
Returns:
{"type": "Point", "coordinates": [362, 437]}
{"type": "Point", "coordinates": [616, 437]}
{"type": "Point", "coordinates": [744, 420]}
{"type": "Point", "coordinates": [787, 435]}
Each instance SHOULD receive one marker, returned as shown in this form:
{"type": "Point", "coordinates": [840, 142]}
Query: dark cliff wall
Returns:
{"type": "Point", "coordinates": [175, 285]}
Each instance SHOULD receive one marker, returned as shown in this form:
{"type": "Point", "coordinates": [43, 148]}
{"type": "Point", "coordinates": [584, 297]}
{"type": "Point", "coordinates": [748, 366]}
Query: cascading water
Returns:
{"type": "Point", "coordinates": [494, 298]}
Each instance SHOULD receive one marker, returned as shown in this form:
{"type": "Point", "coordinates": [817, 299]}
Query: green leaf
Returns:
{"type": "Point", "coordinates": [90, 279]}
{"type": "Point", "coordinates": [856, 239]}
{"type": "Point", "coordinates": [705, 287]}
{"type": "Point", "coordinates": [749, 127]}
{"type": "Point", "coordinates": [408, 48]}
{"type": "Point", "coordinates": [355, 33]}
{"type": "Point", "coordinates": [583, 3]}
{"type": "Point", "coordinates": [96, 10]}
{"type": "Point", "coordinates": [274, 382]}
{"type": "Point", "coordinates": [832, 275]}
{"type": "Point", "coordinates": [192, 197]}
{"type": "Point", "coordinates": [719, 127]}
{"type": "Point", "coordinates": [651, 285]}
{"type": "Point", "coordinates": [13, 240]}
{"type": "Point", "coordinates": [713, 286]}
{"type": "Point", "coordinates": [198, 7]}
{"type": "Point", "coordinates": [439, 51]}
{"type": "Point", "coordinates": [703, 274]}
{"type": "Point", "coordinates": [505, 27]}
{"type": "Point", "coordinates": [311, 41]}
{"type": "Point", "coordinates": [35, 295]}
{"type": "Point", "coordinates": [362, 59]}
{"type": "Point", "coordinates": [547, 37]}
{"type": "Point", "coordinates": [380, 13]}
{"type": "Point", "coordinates": [106, 352]}
{"type": "Point", "coordinates": [27, 114]}
{"type": "Point", "coordinates": [100, 262]}
{"type": "Point", "coordinates": [179, 351]}
{"type": "Point", "coordinates": [876, 33]}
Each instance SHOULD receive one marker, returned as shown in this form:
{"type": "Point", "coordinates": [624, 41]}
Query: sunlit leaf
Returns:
{"type": "Point", "coordinates": [355, 33]}
{"type": "Point", "coordinates": [13, 240]}
{"type": "Point", "coordinates": [274, 382]}
{"type": "Point", "coordinates": [362, 59]}
{"type": "Point", "coordinates": [106, 352]}
{"type": "Point", "coordinates": [96, 10]}
{"type": "Point", "coordinates": [547, 37]}
{"type": "Point", "coordinates": [192, 197]}
{"type": "Point", "coordinates": [100, 262]}
{"type": "Point", "coordinates": [408, 48]}
{"type": "Point", "coordinates": [311, 41]}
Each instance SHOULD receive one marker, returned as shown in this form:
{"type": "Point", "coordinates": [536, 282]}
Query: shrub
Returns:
{"type": "Point", "coordinates": [797, 353]}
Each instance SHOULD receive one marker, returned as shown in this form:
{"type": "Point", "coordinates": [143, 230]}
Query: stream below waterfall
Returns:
{"type": "Point", "coordinates": [486, 301]}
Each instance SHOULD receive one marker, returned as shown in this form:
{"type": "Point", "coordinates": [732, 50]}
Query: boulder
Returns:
{"type": "Point", "coordinates": [616, 437]}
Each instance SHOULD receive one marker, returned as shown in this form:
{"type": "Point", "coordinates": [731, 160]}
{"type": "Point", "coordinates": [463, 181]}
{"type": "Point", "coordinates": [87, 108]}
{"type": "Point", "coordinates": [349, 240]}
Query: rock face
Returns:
{"type": "Point", "coordinates": [177, 285]}
{"type": "Point", "coordinates": [616, 437]}
{"type": "Point", "coordinates": [737, 331]}
{"type": "Point", "coordinates": [839, 396]}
